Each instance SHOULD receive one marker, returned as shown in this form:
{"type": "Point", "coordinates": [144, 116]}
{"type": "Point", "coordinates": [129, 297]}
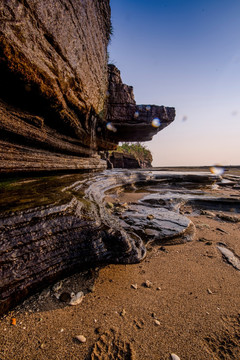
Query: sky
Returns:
{"type": "Point", "coordinates": [184, 54]}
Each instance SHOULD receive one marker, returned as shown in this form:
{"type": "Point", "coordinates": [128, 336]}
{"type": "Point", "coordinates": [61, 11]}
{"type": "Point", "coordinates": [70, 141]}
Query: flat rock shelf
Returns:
{"type": "Point", "coordinates": [54, 226]}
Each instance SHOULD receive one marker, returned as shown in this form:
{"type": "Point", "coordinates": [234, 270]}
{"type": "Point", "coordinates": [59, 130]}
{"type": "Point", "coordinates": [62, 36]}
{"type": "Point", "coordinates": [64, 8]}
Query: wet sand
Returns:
{"type": "Point", "coordinates": [192, 307]}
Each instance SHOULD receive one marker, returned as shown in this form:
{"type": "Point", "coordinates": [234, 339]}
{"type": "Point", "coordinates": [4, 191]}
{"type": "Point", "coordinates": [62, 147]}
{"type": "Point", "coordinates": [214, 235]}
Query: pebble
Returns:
{"type": "Point", "coordinates": [134, 286]}
{"type": "Point", "coordinates": [208, 243]}
{"type": "Point", "coordinates": [157, 322]}
{"type": "Point", "coordinates": [209, 291]}
{"type": "Point", "coordinates": [148, 284]}
{"type": "Point", "coordinates": [110, 205]}
{"type": "Point", "coordinates": [221, 230]}
{"type": "Point", "coordinates": [81, 338]}
{"type": "Point", "coordinates": [123, 312]}
{"type": "Point", "coordinates": [158, 288]}
{"type": "Point", "coordinates": [174, 357]}
{"type": "Point", "coordinates": [77, 299]}
{"type": "Point", "coordinates": [56, 287]}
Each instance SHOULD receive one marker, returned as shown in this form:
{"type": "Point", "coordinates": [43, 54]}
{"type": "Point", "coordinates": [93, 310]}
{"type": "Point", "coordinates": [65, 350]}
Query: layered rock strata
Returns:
{"type": "Point", "coordinates": [54, 80]}
{"type": "Point", "coordinates": [133, 122]}
{"type": "Point", "coordinates": [57, 95]}
{"type": "Point", "coordinates": [52, 226]}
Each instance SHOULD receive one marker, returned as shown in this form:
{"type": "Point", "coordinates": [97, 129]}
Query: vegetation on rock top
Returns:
{"type": "Point", "coordinates": [139, 151]}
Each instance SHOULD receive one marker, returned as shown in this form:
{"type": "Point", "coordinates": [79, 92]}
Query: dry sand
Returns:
{"type": "Point", "coordinates": [192, 308]}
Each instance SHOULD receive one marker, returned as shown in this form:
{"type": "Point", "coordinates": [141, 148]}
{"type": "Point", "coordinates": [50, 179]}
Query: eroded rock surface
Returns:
{"type": "Point", "coordinates": [56, 92]}
{"type": "Point", "coordinates": [57, 225]}
{"type": "Point", "coordinates": [133, 122]}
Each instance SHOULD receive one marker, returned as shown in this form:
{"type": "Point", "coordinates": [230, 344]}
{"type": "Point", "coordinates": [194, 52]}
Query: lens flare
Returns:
{"type": "Point", "coordinates": [217, 170]}
{"type": "Point", "coordinates": [148, 107]}
{"type": "Point", "coordinates": [136, 114]}
{"type": "Point", "coordinates": [156, 122]}
{"type": "Point", "coordinates": [111, 127]}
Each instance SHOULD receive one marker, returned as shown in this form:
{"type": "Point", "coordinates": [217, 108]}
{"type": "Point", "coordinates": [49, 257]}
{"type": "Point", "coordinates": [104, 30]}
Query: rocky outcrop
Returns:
{"type": "Point", "coordinates": [131, 122]}
{"type": "Point", "coordinates": [122, 160]}
{"type": "Point", "coordinates": [52, 226]}
{"type": "Point", "coordinates": [54, 82]}
{"type": "Point", "coordinates": [59, 102]}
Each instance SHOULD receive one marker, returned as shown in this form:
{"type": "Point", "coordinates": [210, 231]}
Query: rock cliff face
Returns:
{"type": "Point", "coordinates": [54, 79]}
{"type": "Point", "coordinates": [59, 103]}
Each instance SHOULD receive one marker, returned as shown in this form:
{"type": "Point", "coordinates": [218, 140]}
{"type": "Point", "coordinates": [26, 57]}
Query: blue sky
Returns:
{"type": "Point", "coordinates": [184, 54]}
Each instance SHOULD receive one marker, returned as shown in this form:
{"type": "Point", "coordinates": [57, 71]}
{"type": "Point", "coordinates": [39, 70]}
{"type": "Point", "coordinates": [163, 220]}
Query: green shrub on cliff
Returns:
{"type": "Point", "coordinates": [139, 150]}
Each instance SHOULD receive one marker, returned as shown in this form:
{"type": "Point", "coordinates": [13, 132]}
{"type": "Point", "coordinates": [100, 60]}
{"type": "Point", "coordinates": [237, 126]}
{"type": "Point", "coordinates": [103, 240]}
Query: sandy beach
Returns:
{"type": "Point", "coordinates": [182, 299]}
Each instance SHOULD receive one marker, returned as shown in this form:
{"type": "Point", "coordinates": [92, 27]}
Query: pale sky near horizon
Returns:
{"type": "Point", "coordinates": [184, 54]}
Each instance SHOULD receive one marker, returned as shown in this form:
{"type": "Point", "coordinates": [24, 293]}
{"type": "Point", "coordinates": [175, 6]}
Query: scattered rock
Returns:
{"type": "Point", "coordinates": [209, 291]}
{"type": "Point", "coordinates": [202, 226]}
{"type": "Point", "coordinates": [81, 338]}
{"type": "Point", "coordinates": [162, 248]}
{"type": "Point", "coordinates": [148, 284]}
{"type": "Point", "coordinates": [157, 322]}
{"type": "Point", "coordinates": [158, 288]}
{"type": "Point", "coordinates": [221, 230]}
{"type": "Point", "coordinates": [109, 205]}
{"type": "Point", "coordinates": [202, 239]}
{"type": "Point", "coordinates": [56, 287]}
{"type": "Point", "coordinates": [77, 299]}
{"type": "Point", "coordinates": [230, 218]}
{"type": "Point", "coordinates": [207, 213]}
{"type": "Point", "coordinates": [123, 312]}
{"type": "Point", "coordinates": [208, 243]}
{"type": "Point", "coordinates": [134, 286]}
{"type": "Point", "coordinates": [174, 357]}
{"type": "Point", "coordinates": [91, 288]}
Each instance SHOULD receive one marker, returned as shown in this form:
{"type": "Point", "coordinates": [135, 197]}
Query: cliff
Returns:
{"type": "Point", "coordinates": [59, 102]}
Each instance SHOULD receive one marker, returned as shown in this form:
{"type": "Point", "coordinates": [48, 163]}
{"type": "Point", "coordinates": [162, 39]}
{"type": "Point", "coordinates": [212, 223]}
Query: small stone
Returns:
{"type": "Point", "coordinates": [158, 288]}
{"type": "Point", "coordinates": [221, 230]}
{"type": "Point", "coordinates": [162, 248]}
{"type": "Point", "coordinates": [148, 284]}
{"type": "Point", "coordinates": [62, 330]}
{"type": "Point", "coordinates": [56, 287]}
{"type": "Point", "coordinates": [174, 357]}
{"type": "Point", "coordinates": [202, 239]}
{"type": "Point", "coordinates": [110, 205]}
{"type": "Point", "coordinates": [77, 299]}
{"type": "Point", "coordinates": [209, 291]}
{"type": "Point", "coordinates": [123, 312]}
{"type": "Point", "coordinates": [91, 288]}
{"type": "Point", "coordinates": [157, 322]}
{"type": "Point", "coordinates": [150, 217]}
{"type": "Point", "coordinates": [81, 338]}
{"type": "Point", "coordinates": [208, 243]}
{"type": "Point", "coordinates": [42, 346]}
{"type": "Point", "coordinates": [134, 286]}
{"type": "Point", "coordinates": [207, 213]}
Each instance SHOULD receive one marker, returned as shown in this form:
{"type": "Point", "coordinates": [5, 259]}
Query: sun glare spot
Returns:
{"type": "Point", "coordinates": [217, 170]}
{"type": "Point", "coordinates": [136, 114]}
{"type": "Point", "coordinates": [111, 127]}
{"type": "Point", "coordinates": [156, 123]}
